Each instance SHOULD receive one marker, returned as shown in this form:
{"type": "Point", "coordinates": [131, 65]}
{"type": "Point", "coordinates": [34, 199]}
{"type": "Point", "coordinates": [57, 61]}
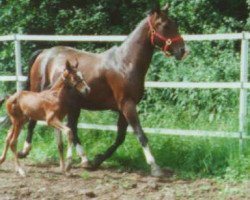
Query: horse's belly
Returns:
{"type": "Point", "coordinates": [99, 104]}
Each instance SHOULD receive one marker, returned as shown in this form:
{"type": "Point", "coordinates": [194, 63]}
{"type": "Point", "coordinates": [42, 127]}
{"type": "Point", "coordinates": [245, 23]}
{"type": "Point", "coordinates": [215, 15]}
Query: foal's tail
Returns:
{"type": "Point", "coordinates": [5, 122]}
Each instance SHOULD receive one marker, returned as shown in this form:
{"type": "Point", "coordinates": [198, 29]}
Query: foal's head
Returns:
{"type": "Point", "coordinates": [74, 78]}
{"type": "Point", "coordinates": [164, 33]}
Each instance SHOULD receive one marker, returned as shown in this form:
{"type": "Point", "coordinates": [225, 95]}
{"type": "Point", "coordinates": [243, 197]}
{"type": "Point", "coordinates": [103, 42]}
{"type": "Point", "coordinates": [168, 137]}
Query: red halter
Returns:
{"type": "Point", "coordinates": [167, 41]}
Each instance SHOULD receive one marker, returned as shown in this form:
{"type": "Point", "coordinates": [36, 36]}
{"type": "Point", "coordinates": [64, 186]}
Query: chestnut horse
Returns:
{"type": "Point", "coordinates": [116, 78]}
{"type": "Point", "coordinates": [47, 105]}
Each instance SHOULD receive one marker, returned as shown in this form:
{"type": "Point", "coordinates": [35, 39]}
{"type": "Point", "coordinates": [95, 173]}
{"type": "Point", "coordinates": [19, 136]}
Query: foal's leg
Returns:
{"type": "Point", "coordinates": [72, 124]}
{"type": "Point", "coordinates": [7, 143]}
{"type": "Point", "coordinates": [27, 145]}
{"type": "Point", "coordinates": [122, 128]}
{"type": "Point", "coordinates": [130, 113]}
{"type": "Point", "coordinates": [13, 144]}
{"type": "Point", "coordinates": [56, 123]}
{"type": "Point", "coordinates": [60, 148]}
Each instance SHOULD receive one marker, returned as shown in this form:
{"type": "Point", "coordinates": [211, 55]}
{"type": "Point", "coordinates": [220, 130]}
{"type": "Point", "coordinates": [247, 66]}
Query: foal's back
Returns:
{"type": "Point", "coordinates": [32, 104]}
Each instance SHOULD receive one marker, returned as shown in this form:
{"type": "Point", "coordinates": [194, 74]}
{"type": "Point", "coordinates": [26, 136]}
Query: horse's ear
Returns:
{"type": "Point", "coordinates": [165, 8]}
{"type": "Point", "coordinates": [155, 7]}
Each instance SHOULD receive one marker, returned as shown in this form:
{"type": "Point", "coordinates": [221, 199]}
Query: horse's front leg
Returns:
{"type": "Point", "coordinates": [73, 116]}
{"type": "Point", "coordinates": [27, 145]}
{"type": "Point", "coordinates": [121, 133]}
{"type": "Point", "coordinates": [130, 113]}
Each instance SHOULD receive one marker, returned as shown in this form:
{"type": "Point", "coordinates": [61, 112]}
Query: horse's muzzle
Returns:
{"type": "Point", "coordinates": [181, 53]}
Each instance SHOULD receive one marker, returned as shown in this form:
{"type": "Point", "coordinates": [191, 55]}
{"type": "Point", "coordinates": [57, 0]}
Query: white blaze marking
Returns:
{"type": "Point", "coordinates": [79, 74]}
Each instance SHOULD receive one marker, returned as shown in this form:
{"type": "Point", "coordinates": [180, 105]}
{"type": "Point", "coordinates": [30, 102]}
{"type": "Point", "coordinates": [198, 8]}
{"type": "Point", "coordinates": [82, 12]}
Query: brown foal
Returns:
{"type": "Point", "coordinates": [48, 106]}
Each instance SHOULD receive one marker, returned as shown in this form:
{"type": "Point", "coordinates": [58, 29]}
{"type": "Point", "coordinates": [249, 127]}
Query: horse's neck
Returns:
{"type": "Point", "coordinates": [137, 50]}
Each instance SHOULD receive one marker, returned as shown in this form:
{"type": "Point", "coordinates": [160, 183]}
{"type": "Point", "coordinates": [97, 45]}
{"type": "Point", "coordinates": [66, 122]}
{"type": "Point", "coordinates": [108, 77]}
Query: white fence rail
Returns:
{"type": "Point", "coordinates": [242, 85]}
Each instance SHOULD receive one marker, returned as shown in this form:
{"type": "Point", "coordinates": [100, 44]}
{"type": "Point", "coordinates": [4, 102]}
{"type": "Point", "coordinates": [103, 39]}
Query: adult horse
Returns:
{"type": "Point", "coordinates": [116, 78]}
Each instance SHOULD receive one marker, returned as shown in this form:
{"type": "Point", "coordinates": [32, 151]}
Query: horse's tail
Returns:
{"type": "Point", "coordinates": [31, 61]}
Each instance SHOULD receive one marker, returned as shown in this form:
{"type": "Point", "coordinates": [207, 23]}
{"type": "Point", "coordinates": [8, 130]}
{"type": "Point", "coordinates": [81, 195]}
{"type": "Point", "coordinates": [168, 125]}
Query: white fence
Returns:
{"type": "Point", "coordinates": [243, 85]}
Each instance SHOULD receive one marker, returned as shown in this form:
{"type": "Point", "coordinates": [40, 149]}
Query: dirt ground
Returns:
{"type": "Point", "coordinates": [44, 181]}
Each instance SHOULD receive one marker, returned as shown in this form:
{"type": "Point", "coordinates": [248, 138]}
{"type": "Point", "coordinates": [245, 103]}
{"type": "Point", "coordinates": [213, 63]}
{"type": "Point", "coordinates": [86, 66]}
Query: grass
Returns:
{"type": "Point", "coordinates": [190, 157]}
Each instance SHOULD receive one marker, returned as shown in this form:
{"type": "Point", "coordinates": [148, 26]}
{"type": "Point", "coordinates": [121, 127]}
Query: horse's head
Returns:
{"type": "Point", "coordinates": [74, 78]}
{"type": "Point", "coordinates": [164, 33]}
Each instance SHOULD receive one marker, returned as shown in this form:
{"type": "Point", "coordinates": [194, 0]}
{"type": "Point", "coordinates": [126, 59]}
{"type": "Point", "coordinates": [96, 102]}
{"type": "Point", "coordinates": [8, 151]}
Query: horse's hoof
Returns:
{"type": "Point", "coordinates": [85, 164]}
{"type": "Point", "coordinates": [156, 171]}
{"type": "Point", "coordinates": [163, 173]}
{"type": "Point", "coordinates": [92, 165]}
{"type": "Point", "coordinates": [21, 155]}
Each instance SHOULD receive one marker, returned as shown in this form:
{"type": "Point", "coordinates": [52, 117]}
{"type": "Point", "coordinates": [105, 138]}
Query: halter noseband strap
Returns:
{"type": "Point", "coordinates": [167, 41]}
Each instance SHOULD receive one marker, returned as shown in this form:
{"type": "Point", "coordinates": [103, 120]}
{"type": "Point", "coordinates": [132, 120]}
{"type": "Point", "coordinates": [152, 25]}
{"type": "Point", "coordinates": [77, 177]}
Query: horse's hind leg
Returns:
{"type": "Point", "coordinates": [60, 148]}
{"type": "Point", "coordinates": [6, 146]}
{"type": "Point", "coordinates": [122, 128]}
{"type": "Point", "coordinates": [27, 145]}
{"type": "Point", "coordinates": [72, 124]}
{"type": "Point", "coordinates": [13, 144]}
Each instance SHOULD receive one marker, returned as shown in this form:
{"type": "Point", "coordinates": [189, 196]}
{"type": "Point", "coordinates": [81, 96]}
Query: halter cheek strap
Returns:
{"type": "Point", "coordinates": [167, 41]}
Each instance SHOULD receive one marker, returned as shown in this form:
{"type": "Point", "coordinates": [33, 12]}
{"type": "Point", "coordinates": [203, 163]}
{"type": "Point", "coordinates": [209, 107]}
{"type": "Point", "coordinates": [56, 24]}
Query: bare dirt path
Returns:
{"type": "Point", "coordinates": [44, 181]}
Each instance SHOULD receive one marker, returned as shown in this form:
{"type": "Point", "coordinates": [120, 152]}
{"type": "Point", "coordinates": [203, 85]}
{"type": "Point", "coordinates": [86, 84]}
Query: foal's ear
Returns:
{"type": "Point", "coordinates": [68, 66]}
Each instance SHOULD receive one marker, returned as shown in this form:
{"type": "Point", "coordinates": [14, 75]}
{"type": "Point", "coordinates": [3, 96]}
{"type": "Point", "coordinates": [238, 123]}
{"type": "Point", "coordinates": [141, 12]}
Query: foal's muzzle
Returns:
{"type": "Point", "coordinates": [85, 91]}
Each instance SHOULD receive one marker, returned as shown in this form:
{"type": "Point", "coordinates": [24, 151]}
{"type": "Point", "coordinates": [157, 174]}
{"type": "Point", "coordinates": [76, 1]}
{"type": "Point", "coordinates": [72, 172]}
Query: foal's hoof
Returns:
{"type": "Point", "coordinates": [21, 172]}
{"type": "Point", "coordinates": [68, 166]}
{"type": "Point", "coordinates": [2, 160]}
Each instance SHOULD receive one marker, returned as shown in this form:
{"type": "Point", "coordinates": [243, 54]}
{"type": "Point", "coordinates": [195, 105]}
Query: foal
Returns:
{"type": "Point", "coordinates": [48, 106]}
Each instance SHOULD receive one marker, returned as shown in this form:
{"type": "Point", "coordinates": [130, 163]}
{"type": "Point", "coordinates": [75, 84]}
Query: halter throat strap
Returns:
{"type": "Point", "coordinates": [167, 41]}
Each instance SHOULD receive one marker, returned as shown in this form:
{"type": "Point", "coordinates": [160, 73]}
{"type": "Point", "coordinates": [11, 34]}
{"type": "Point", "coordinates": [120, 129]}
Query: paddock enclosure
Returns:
{"type": "Point", "coordinates": [242, 85]}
